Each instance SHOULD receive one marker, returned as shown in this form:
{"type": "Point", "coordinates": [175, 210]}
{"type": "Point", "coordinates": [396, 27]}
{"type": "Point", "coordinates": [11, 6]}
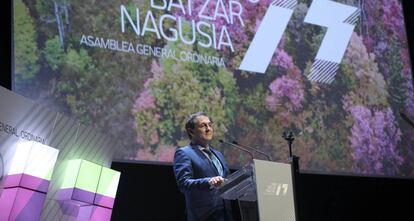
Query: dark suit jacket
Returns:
{"type": "Point", "coordinates": [192, 171]}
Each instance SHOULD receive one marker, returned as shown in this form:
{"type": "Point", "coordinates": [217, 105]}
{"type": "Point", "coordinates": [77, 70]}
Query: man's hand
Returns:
{"type": "Point", "coordinates": [216, 181]}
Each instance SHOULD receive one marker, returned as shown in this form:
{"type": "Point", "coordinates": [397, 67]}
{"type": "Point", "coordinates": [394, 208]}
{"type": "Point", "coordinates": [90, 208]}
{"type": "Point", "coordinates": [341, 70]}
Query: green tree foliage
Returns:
{"type": "Point", "coordinates": [54, 53]}
{"type": "Point", "coordinates": [178, 89]}
{"type": "Point", "coordinates": [95, 85]}
{"type": "Point", "coordinates": [76, 83]}
{"type": "Point", "coordinates": [398, 93]}
{"type": "Point", "coordinates": [25, 47]}
{"type": "Point", "coordinates": [177, 95]}
{"type": "Point", "coordinates": [360, 67]}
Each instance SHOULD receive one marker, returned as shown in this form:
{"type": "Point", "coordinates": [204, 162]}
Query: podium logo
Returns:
{"type": "Point", "coordinates": [277, 189]}
{"type": "Point", "coordinates": [339, 19]}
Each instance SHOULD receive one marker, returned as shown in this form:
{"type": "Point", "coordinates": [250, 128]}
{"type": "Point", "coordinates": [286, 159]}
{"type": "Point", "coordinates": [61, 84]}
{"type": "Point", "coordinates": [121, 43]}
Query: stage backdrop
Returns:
{"type": "Point", "coordinates": [336, 73]}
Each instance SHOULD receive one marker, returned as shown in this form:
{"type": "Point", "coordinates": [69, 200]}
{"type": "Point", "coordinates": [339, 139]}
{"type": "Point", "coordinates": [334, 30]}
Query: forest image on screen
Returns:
{"type": "Point", "coordinates": [335, 73]}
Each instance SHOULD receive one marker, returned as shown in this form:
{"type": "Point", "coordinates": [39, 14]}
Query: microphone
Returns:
{"type": "Point", "coordinates": [254, 149]}
{"type": "Point", "coordinates": [407, 119]}
{"type": "Point", "coordinates": [237, 147]}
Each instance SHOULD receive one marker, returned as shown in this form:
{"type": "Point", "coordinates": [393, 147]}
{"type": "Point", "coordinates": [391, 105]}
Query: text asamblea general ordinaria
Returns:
{"type": "Point", "coordinates": [148, 50]}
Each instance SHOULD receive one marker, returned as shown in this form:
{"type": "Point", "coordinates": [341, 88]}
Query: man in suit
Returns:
{"type": "Point", "coordinates": [199, 169]}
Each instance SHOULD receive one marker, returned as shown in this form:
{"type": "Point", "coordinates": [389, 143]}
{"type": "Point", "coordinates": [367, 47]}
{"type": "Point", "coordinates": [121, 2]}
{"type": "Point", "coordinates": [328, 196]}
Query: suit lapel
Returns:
{"type": "Point", "coordinates": [205, 160]}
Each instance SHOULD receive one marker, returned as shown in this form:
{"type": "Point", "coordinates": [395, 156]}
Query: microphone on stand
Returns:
{"type": "Point", "coordinates": [254, 149]}
{"type": "Point", "coordinates": [407, 119]}
{"type": "Point", "coordinates": [237, 147]}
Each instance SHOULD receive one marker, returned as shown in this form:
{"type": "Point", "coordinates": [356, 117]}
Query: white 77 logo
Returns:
{"type": "Point", "coordinates": [339, 19]}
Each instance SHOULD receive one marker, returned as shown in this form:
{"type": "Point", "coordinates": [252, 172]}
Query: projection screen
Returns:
{"type": "Point", "coordinates": [335, 73]}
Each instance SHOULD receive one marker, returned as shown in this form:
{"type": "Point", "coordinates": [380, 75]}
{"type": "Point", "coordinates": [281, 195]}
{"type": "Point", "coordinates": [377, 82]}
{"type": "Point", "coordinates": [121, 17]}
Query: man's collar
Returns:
{"type": "Point", "coordinates": [199, 146]}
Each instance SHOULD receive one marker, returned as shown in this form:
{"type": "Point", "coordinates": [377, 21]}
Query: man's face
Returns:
{"type": "Point", "coordinates": [203, 131]}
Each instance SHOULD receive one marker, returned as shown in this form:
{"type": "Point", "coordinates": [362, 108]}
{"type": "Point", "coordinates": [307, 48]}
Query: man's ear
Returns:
{"type": "Point", "coordinates": [190, 131]}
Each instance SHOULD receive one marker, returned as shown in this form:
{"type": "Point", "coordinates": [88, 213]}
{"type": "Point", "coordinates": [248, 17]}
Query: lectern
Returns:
{"type": "Point", "coordinates": [264, 190]}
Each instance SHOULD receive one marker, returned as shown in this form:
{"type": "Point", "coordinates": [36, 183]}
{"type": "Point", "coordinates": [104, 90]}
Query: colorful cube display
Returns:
{"type": "Point", "coordinates": [90, 188]}
{"type": "Point", "coordinates": [28, 168]}
{"type": "Point", "coordinates": [21, 204]}
{"type": "Point", "coordinates": [80, 181]}
{"type": "Point", "coordinates": [29, 165]}
{"type": "Point", "coordinates": [108, 184]}
{"type": "Point", "coordinates": [100, 213]}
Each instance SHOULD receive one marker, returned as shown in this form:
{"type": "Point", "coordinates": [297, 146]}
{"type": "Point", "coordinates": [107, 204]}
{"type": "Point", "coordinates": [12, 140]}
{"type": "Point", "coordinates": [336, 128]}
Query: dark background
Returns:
{"type": "Point", "coordinates": [6, 44]}
{"type": "Point", "coordinates": [148, 191]}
